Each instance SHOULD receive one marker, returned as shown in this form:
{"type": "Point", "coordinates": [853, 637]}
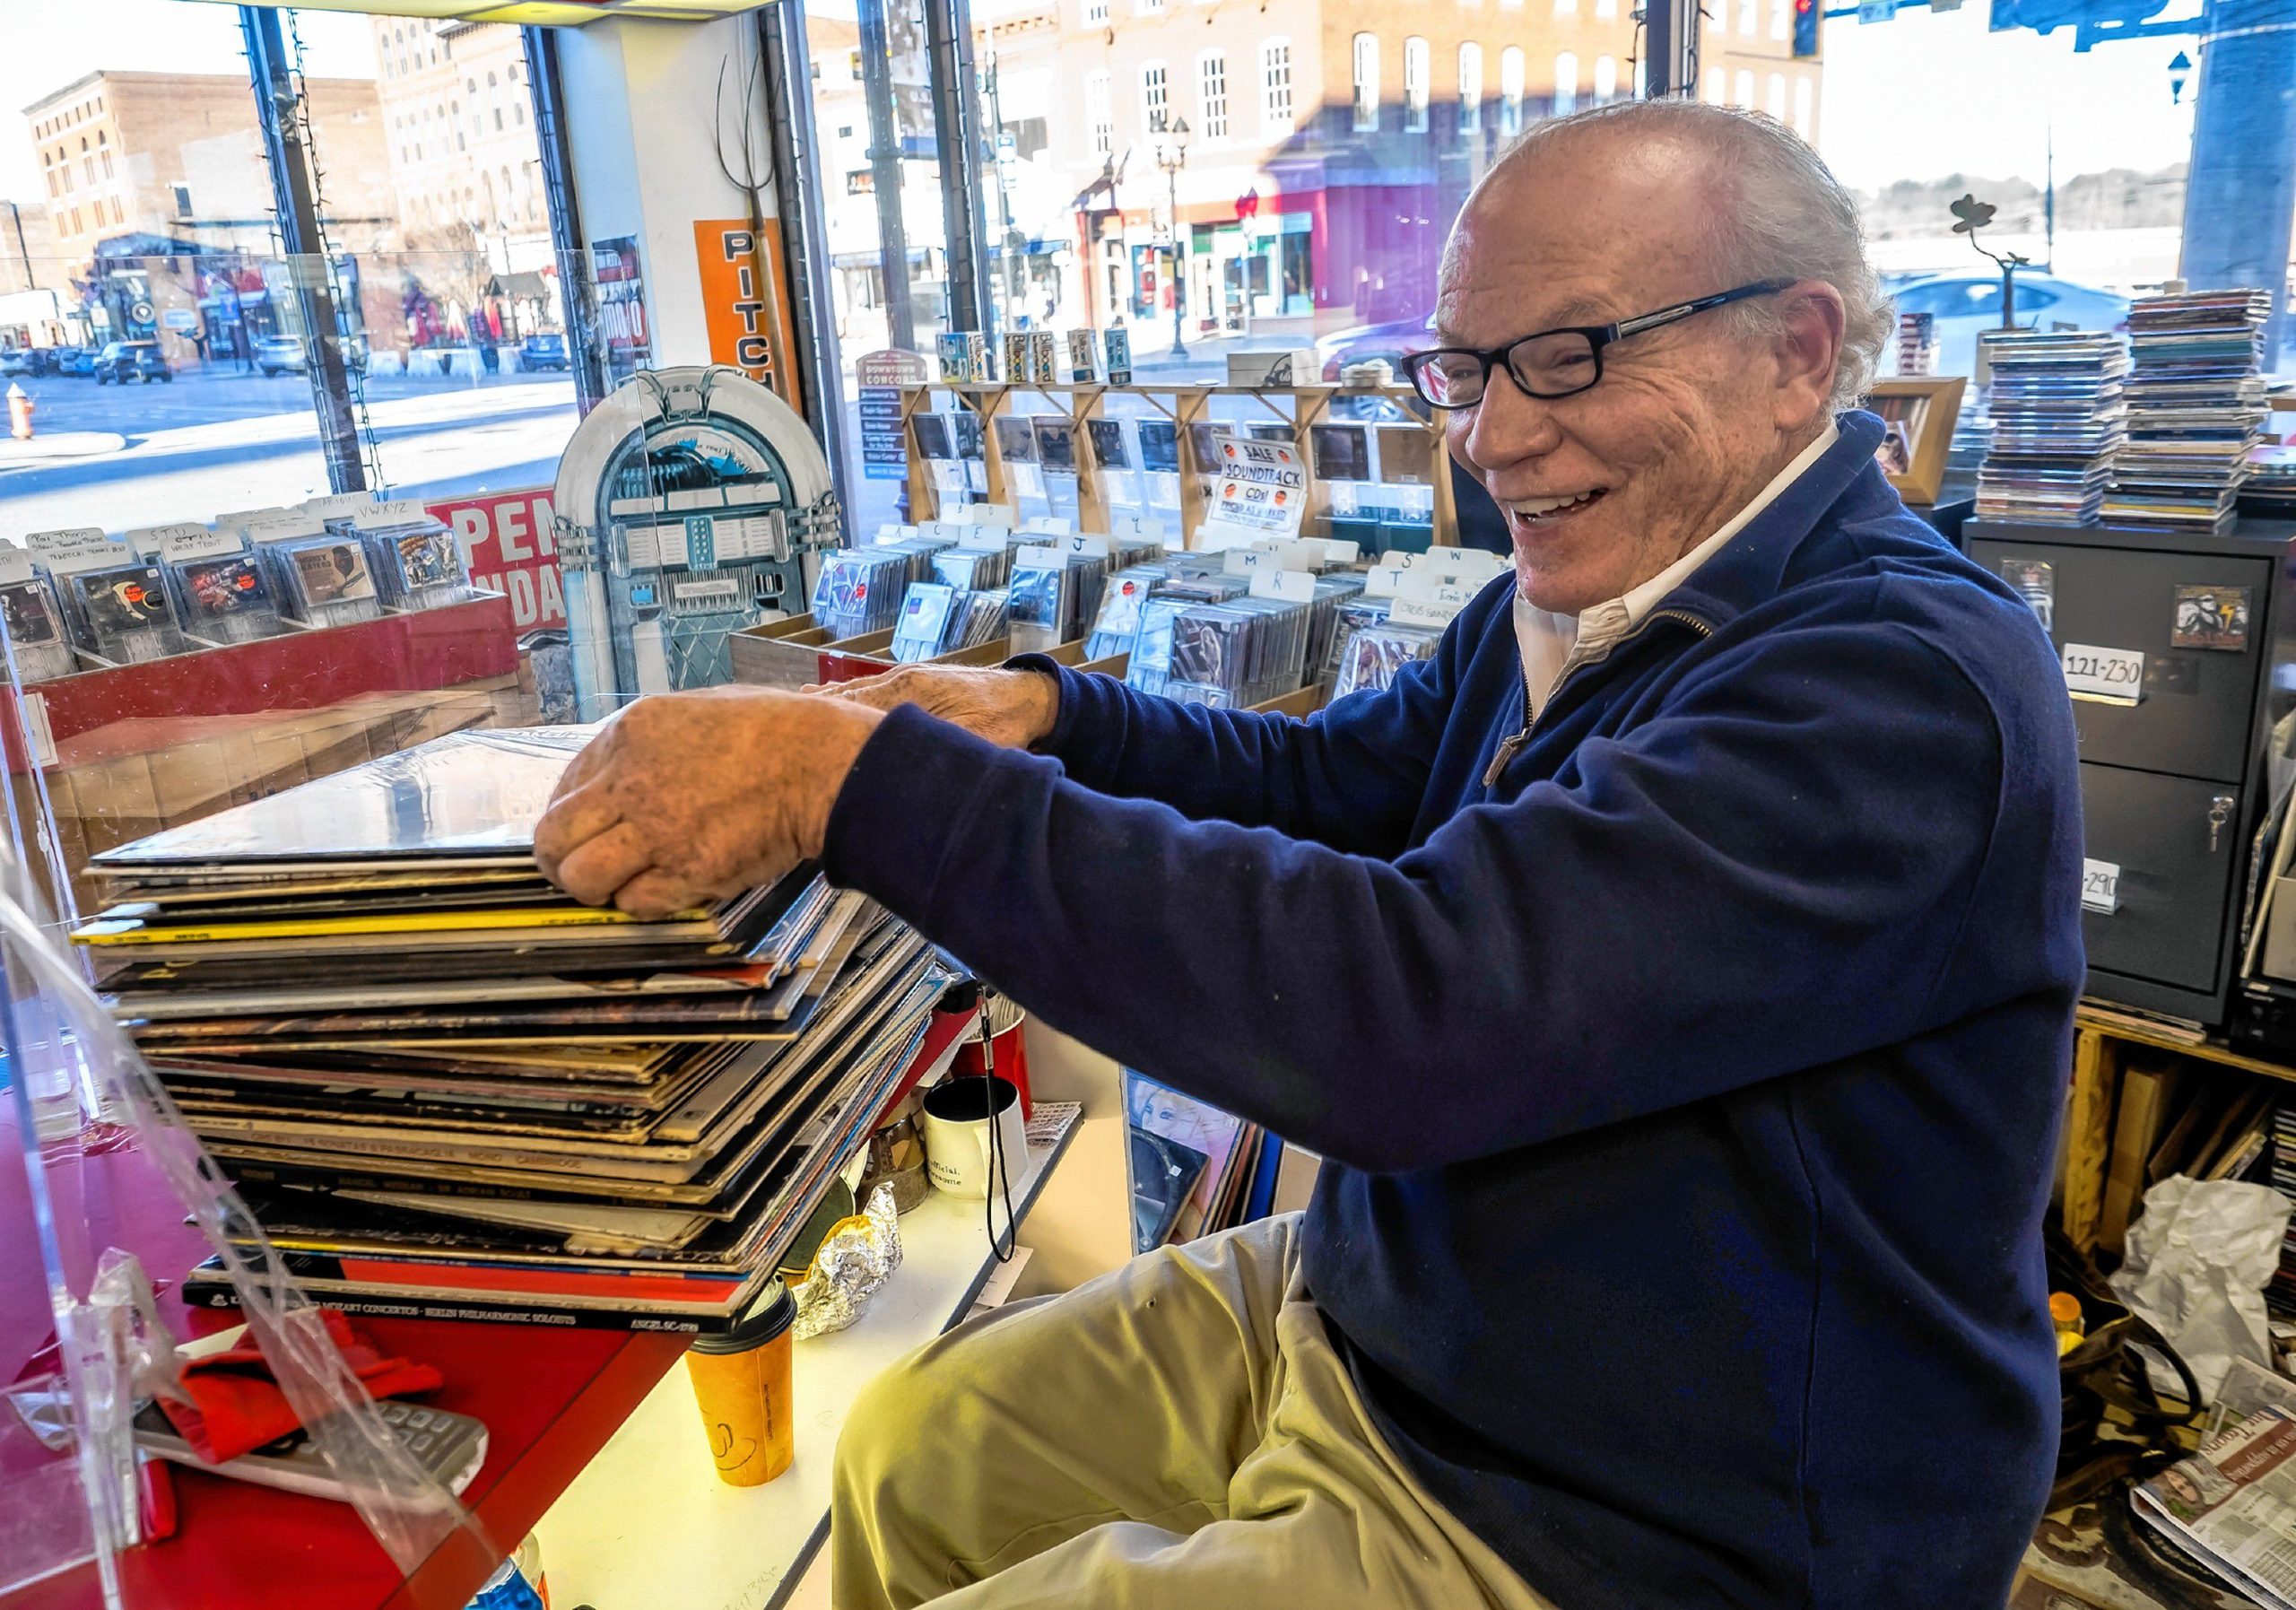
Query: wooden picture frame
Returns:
{"type": "Point", "coordinates": [1920, 414]}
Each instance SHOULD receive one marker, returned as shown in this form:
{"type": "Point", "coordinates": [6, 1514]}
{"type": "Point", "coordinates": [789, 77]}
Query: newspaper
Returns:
{"type": "Point", "coordinates": [2234, 1504]}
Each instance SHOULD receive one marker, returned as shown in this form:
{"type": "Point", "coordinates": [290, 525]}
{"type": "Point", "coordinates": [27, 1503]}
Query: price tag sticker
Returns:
{"type": "Point", "coordinates": [2100, 887]}
{"type": "Point", "coordinates": [2113, 675]}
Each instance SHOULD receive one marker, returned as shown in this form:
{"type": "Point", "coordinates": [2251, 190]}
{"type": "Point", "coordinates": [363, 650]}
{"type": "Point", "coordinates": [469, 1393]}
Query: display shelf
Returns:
{"type": "Point", "coordinates": [1185, 402]}
{"type": "Point", "coordinates": [649, 1523]}
{"type": "Point", "coordinates": [461, 642]}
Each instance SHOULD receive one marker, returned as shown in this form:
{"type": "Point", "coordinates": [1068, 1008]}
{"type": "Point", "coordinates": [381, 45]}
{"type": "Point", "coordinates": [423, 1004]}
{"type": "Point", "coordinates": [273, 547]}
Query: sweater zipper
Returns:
{"type": "Point", "coordinates": [1513, 745]}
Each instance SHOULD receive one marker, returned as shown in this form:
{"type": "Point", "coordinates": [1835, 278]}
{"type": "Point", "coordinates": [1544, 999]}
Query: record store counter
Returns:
{"type": "Point", "coordinates": [648, 1523]}
{"type": "Point", "coordinates": [621, 1523]}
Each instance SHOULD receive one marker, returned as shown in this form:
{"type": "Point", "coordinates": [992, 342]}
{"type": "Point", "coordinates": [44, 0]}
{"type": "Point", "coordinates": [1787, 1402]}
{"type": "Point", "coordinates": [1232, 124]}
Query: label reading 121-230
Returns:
{"type": "Point", "coordinates": [2114, 674]}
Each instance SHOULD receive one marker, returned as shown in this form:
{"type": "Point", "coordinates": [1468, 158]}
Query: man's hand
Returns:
{"type": "Point", "coordinates": [688, 797]}
{"type": "Point", "coordinates": [1015, 708]}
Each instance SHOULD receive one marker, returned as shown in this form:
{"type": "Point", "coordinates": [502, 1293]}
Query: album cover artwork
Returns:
{"type": "Point", "coordinates": [215, 589]}
{"type": "Point", "coordinates": [331, 572]}
{"type": "Point", "coordinates": [1108, 443]}
{"type": "Point", "coordinates": [122, 599]}
{"type": "Point", "coordinates": [30, 614]}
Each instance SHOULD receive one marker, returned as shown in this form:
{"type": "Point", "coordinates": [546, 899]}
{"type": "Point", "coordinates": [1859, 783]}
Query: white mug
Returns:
{"type": "Point", "coordinates": [957, 1130]}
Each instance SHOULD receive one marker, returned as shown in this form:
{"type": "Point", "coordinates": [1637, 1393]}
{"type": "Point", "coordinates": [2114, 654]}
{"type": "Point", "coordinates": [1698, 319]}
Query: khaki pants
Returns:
{"type": "Point", "coordinates": [1178, 1435]}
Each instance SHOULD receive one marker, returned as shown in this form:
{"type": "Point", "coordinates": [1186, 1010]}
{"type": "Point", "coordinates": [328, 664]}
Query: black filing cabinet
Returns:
{"type": "Point", "coordinates": [2172, 784]}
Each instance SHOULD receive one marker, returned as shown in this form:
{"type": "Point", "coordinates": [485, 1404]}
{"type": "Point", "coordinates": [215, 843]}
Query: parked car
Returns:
{"type": "Point", "coordinates": [73, 361]}
{"type": "Point", "coordinates": [1393, 340]}
{"type": "Point", "coordinates": [280, 355]}
{"type": "Point", "coordinates": [1967, 305]}
{"type": "Point", "coordinates": [121, 362]}
{"type": "Point", "coordinates": [543, 351]}
{"type": "Point", "coordinates": [15, 362]}
{"type": "Point", "coordinates": [288, 354]}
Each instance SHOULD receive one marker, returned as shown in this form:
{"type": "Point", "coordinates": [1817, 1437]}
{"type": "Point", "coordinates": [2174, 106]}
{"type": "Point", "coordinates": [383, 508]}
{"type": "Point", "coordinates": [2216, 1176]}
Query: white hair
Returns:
{"type": "Point", "coordinates": [1781, 215]}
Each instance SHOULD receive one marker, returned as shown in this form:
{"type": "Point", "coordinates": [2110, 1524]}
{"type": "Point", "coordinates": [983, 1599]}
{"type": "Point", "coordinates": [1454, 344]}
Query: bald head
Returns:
{"type": "Point", "coordinates": [1612, 470]}
{"type": "Point", "coordinates": [1740, 194]}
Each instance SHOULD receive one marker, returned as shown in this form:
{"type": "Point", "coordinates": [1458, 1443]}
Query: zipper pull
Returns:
{"type": "Point", "coordinates": [1508, 749]}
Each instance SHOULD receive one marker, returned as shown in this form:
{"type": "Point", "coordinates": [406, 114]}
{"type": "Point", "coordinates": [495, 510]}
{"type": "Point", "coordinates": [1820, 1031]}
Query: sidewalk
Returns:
{"type": "Point", "coordinates": [53, 447]}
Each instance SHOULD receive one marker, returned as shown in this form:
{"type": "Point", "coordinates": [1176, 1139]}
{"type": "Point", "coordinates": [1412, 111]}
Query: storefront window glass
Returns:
{"type": "Point", "coordinates": [140, 276]}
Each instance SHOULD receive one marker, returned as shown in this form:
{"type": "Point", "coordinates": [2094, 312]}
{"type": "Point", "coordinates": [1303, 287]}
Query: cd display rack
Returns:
{"type": "Point", "coordinates": [1184, 405]}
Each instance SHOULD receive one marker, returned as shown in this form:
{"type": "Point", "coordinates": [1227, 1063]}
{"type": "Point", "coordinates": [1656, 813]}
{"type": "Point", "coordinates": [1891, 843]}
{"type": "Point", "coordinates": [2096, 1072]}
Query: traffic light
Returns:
{"type": "Point", "coordinates": [1805, 27]}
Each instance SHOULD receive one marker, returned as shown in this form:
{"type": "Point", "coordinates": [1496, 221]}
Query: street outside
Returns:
{"type": "Point", "coordinates": [211, 441]}
{"type": "Point", "coordinates": [214, 439]}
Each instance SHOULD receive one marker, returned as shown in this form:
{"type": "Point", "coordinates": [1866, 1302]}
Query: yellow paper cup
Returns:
{"type": "Point", "coordinates": [741, 1380]}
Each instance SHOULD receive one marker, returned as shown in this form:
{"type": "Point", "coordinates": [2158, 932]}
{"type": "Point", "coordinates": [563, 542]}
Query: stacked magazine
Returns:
{"type": "Point", "coordinates": [2227, 1508]}
{"type": "Point", "coordinates": [446, 1089]}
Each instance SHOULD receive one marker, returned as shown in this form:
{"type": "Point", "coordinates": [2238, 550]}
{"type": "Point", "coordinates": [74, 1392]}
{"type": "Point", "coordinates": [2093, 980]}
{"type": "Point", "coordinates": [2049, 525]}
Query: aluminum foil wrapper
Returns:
{"type": "Point", "coordinates": [857, 1256]}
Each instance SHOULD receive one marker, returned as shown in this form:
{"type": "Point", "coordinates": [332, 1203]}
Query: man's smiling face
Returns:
{"type": "Point", "coordinates": [1605, 488]}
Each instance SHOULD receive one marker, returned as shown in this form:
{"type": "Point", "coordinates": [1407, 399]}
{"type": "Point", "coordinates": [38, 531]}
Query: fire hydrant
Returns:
{"type": "Point", "coordinates": [20, 412]}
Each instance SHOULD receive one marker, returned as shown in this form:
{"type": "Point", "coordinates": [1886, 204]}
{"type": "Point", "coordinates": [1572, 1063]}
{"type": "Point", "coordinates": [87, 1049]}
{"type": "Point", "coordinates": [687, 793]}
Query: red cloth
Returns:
{"type": "Point", "coordinates": [236, 1407]}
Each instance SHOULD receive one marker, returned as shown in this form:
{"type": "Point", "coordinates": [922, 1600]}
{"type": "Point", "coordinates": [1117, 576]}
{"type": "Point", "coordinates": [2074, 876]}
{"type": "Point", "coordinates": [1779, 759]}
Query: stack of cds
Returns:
{"type": "Point", "coordinates": [1353, 615]}
{"type": "Point", "coordinates": [2196, 407]}
{"type": "Point", "coordinates": [2058, 417]}
{"type": "Point", "coordinates": [410, 552]}
{"type": "Point", "coordinates": [1117, 623]}
{"type": "Point", "coordinates": [1916, 343]}
{"type": "Point", "coordinates": [969, 569]}
{"type": "Point", "coordinates": [937, 619]}
{"type": "Point", "coordinates": [860, 589]}
{"type": "Point", "coordinates": [1372, 654]}
{"type": "Point", "coordinates": [1055, 596]}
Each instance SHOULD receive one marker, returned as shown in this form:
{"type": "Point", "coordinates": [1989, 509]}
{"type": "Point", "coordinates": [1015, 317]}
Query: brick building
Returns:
{"type": "Point", "coordinates": [1330, 143]}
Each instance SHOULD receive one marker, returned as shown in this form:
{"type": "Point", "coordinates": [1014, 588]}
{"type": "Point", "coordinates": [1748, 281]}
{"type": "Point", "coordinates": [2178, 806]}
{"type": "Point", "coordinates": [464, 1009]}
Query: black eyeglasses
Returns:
{"type": "Point", "coordinates": [1552, 363]}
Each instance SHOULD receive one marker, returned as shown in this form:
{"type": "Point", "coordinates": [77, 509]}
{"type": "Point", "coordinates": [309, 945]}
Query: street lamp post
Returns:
{"type": "Point", "coordinates": [1171, 156]}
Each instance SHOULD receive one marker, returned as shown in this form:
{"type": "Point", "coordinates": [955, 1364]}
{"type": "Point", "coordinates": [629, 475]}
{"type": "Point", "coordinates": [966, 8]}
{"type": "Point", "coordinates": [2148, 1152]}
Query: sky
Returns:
{"type": "Point", "coordinates": [1922, 96]}
{"type": "Point", "coordinates": [50, 45]}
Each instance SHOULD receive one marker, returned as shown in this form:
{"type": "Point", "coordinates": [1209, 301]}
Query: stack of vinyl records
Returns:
{"type": "Point", "coordinates": [2195, 408]}
{"type": "Point", "coordinates": [2058, 417]}
{"type": "Point", "coordinates": [445, 1089]}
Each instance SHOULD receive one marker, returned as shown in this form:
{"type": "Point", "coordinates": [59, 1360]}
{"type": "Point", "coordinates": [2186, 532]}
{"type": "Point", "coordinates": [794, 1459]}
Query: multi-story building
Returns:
{"type": "Point", "coordinates": [464, 157]}
{"type": "Point", "coordinates": [162, 164]}
{"type": "Point", "coordinates": [474, 223]}
{"type": "Point", "coordinates": [160, 203]}
{"type": "Point", "coordinates": [1329, 144]}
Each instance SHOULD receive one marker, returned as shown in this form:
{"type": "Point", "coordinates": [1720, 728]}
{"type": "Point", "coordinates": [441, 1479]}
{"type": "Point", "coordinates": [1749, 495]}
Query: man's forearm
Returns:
{"type": "Point", "coordinates": [1217, 765]}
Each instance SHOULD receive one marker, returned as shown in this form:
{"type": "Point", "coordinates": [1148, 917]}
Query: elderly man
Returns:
{"type": "Point", "coordinates": [1675, 972]}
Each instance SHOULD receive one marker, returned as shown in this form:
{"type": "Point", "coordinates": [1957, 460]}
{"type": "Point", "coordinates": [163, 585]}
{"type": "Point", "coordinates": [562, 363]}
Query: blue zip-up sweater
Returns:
{"type": "Point", "coordinates": [1689, 1083]}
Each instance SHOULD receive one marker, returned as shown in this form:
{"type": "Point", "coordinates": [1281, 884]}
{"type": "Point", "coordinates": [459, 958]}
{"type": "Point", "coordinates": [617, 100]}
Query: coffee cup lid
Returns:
{"type": "Point", "coordinates": [773, 1312]}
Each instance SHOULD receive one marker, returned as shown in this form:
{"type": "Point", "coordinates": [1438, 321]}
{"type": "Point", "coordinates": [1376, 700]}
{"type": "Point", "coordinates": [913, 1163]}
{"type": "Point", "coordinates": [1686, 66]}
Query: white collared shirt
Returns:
{"type": "Point", "coordinates": [1555, 645]}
